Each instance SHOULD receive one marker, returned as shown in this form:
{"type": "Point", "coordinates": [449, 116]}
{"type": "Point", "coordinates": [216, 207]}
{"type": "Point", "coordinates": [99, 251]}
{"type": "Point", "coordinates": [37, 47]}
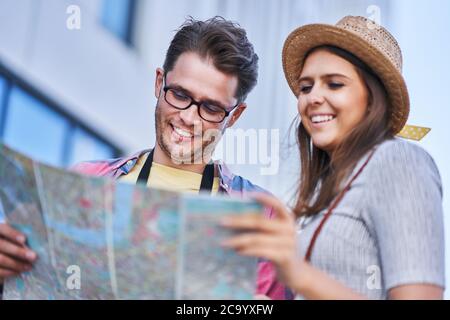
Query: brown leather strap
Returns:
{"type": "Point", "coordinates": [333, 206]}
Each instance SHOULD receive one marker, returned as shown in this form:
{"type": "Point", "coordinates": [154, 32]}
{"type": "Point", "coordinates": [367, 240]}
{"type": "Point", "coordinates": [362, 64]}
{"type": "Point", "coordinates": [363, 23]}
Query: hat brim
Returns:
{"type": "Point", "coordinates": [305, 38]}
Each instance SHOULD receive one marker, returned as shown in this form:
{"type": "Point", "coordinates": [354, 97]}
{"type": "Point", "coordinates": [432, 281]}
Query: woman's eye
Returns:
{"type": "Point", "coordinates": [335, 85]}
{"type": "Point", "coordinates": [305, 89]}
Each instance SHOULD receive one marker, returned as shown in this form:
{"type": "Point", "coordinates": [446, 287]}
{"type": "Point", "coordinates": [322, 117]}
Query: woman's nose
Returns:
{"type": "Point", "coordinates": [315, 97]}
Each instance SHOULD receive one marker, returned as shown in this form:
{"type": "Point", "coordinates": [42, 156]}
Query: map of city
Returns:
{"type": "Point", "coordinates": [97, 238]}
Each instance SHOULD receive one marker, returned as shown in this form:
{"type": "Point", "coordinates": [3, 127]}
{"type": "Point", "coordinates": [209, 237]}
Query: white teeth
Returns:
{"type": "Point", "coordinates": [182, 132]}
{"type": "Point", "coordinates": [319, 119]}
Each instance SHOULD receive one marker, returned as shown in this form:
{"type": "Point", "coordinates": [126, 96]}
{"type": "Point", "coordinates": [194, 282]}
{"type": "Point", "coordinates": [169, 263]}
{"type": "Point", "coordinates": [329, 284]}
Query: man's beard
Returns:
{"type": "Point", "coordinates": [197, 153]}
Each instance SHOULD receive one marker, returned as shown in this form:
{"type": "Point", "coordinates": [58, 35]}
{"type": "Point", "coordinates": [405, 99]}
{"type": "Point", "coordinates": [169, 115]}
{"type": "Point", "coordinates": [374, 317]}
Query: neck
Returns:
{"type": "Point", "coordinates": [160, 157]}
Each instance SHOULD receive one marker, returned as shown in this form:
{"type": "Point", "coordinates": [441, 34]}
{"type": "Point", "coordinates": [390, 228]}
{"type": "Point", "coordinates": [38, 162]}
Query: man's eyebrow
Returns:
{"type": "Point", "coordinates": [208, 100]}
{"type": "Point", "coordinates": [178, 87]}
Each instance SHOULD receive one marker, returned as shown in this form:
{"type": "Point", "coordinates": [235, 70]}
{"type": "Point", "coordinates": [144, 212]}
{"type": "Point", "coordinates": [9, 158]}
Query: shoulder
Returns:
{"type": "Point", "coordinates": [96, 168]}
{"type": "Point", "coordinates": [400, 149]}
{"type": "Point", "coordinates": [238, 185]}
{"type": "Point", "coordinates": [236, 182]}
{"type": "Point", "coordinates": [396, 156]}
{"type": "Point", "coordinates": [247, 185]}
{"type": "Point", "coordinates": [398, 164]}
{"type": "Point", "coordinates": [107, 167]}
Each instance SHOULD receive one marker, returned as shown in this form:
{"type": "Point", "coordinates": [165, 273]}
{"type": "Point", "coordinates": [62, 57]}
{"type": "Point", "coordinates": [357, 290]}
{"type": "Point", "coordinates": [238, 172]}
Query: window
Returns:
{"type": "Point", "coordinates": [87, 147]}
{"type": "Point", "coordinates": [33, 125]}
{"type": "Point", "coordinates": [2, 98]}
{"type": "Point", "coordinates": [33, 128]}
{"type": "Point", "coordinates": [2, 88]}
{"type": "Point", "coordinates": [117, 16]}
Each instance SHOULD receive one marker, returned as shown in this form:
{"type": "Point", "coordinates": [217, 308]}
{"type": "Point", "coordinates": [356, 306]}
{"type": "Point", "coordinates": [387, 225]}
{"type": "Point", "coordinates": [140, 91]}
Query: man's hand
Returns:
{"type": "Point", "coordinates": [15, 257]}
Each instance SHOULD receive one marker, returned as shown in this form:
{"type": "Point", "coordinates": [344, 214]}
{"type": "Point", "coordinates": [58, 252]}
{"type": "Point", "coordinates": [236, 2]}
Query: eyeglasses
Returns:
{"type": "Point", "coordinates": [207, 111]}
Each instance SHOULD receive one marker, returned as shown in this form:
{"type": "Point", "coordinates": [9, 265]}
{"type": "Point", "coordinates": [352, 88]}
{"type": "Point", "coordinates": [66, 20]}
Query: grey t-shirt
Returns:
{"type": "Point", "coordinates": [388, 229]}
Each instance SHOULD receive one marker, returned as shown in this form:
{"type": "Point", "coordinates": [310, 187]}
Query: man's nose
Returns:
{"type": "Point", "coordinates": [190, 115]}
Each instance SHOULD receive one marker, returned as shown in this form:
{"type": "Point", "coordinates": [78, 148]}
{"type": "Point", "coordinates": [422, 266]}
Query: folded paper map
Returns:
{"type": "Point", "coordinates": [97, 238]}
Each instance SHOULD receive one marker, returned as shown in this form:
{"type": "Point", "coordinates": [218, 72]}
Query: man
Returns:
{"type": "Point", "coordinates": [209, 69]}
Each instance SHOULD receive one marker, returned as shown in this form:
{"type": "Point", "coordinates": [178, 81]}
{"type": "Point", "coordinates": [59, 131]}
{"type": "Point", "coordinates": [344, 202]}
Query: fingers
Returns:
{"type": "Point", "coordinates": [13, 264]}
{"type": "Point", "coordinates": [258, 240]}
{"type": "Point", "coordinates": [279, 250]}
{"type": "Point", "coordinates": [256, 223]}
{"type": "Point", "coordinates": [11, 234]}
{"type": "Point", "coordinates": [283, 220]}
{"type": "Point", "coordinates": [278, 245]}
{"type": "Point", "coordinates": [15, 251]}
{"type": "Point", "coordinates": [4, 273]}
{"type": "Point", "coordinates": [15, 257]}
{"type": "Point", "coordinates": [270, 201]}
{"type": "Point", "coordinates": [281, 258]}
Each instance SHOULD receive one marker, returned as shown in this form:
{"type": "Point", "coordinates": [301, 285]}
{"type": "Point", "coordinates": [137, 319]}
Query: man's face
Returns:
{"type": "Point", "coordinates": [182, 134]}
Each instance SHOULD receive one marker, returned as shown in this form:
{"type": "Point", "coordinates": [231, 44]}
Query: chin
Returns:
{"type": "Point", "coordinates": [184, 153]}
{"type": "Point", "coordinates": [323, 144]}
{"type": "Point", "coordinates": [179, 153]}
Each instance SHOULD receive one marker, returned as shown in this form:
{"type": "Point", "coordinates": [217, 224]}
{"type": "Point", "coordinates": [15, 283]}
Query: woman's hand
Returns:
{"type": "Point", "coordinates": [272, 239]}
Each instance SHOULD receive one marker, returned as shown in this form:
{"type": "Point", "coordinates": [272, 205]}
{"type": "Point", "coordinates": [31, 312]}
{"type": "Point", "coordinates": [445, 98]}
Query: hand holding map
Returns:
{"type": "Point", "coordinates": [101, 239]}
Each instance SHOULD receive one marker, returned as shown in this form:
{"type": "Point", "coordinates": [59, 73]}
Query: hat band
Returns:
{"type": "Point", "coordinates": [413, 132]}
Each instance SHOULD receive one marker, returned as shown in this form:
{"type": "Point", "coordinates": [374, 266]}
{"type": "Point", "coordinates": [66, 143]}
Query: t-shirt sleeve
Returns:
{"type": "Point", "coordinates": [405, 206]}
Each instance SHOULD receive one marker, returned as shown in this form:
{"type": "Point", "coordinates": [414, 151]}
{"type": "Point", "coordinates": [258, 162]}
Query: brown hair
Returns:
{"type": "Point", "coordinates": [322, 174]}
{"type": "Point", "coordinates": [222, 41]}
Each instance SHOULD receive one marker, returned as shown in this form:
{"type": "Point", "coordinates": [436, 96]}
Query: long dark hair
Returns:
{"type": "Point", "coordinates": [322, 174]}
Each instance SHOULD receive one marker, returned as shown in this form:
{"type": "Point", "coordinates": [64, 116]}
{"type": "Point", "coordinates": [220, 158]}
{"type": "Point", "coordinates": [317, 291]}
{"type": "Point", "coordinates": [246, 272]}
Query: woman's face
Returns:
{"type": "Point", "coordinates": [333, 99]}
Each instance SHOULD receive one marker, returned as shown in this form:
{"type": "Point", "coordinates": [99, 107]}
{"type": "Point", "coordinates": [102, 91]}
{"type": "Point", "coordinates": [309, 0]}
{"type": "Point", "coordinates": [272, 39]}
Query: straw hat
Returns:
{"type": "Point", "coordinates": [369, 42]}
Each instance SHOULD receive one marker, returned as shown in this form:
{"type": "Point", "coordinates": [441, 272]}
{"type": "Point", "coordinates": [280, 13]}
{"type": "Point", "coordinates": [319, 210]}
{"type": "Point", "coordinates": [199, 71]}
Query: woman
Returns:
{"type": "Point", "coordinates": [368, 218]}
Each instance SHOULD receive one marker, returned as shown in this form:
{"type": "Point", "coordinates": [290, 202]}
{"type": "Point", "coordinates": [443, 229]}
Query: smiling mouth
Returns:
{"type": "Point", "coordinates": [316, 119]}
{"type": "Point", "coordinates": [181, 132]}
{"type": "Point", "coordinates": [182, 135]}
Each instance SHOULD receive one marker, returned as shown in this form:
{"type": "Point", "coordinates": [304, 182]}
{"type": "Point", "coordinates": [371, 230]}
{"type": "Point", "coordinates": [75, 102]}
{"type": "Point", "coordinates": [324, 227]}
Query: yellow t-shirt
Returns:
{"type": "Point", "coordinates": [168, 178]}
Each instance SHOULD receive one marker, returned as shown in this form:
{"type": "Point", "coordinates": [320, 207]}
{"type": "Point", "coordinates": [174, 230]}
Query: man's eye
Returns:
{"type": "Point", "coordinates": [212, 108]}
{"type": "Point", "coordinates": [180, 95]}
{"type": "Point", "coordinates": [305, 89]}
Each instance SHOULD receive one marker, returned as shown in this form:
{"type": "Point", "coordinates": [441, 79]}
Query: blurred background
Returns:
{"type": "Point", "coordinates": [81, 89]}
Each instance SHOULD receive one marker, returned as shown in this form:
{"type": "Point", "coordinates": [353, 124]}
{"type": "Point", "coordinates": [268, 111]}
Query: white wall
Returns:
{"type": "Point", "coordinates": [422, 29]}
{"type": "Point", "coordinates": [89, 72]}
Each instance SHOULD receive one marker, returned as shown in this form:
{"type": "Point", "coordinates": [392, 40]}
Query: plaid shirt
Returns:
{"type": "Point", "coordinates": [228, 183]}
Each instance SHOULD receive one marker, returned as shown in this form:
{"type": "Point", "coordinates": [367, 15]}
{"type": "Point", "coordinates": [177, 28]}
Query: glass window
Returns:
{"type": "Point", "coordinates": [116, 17]}
{"type": "Point", "coordinates": [34, 129]}
{"type": "Point", "coordinates": [2, 95]}
{"type": "Point", "coordinates": [2, 87]}
{"type": "Point", "coordinates": [87, 147]}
